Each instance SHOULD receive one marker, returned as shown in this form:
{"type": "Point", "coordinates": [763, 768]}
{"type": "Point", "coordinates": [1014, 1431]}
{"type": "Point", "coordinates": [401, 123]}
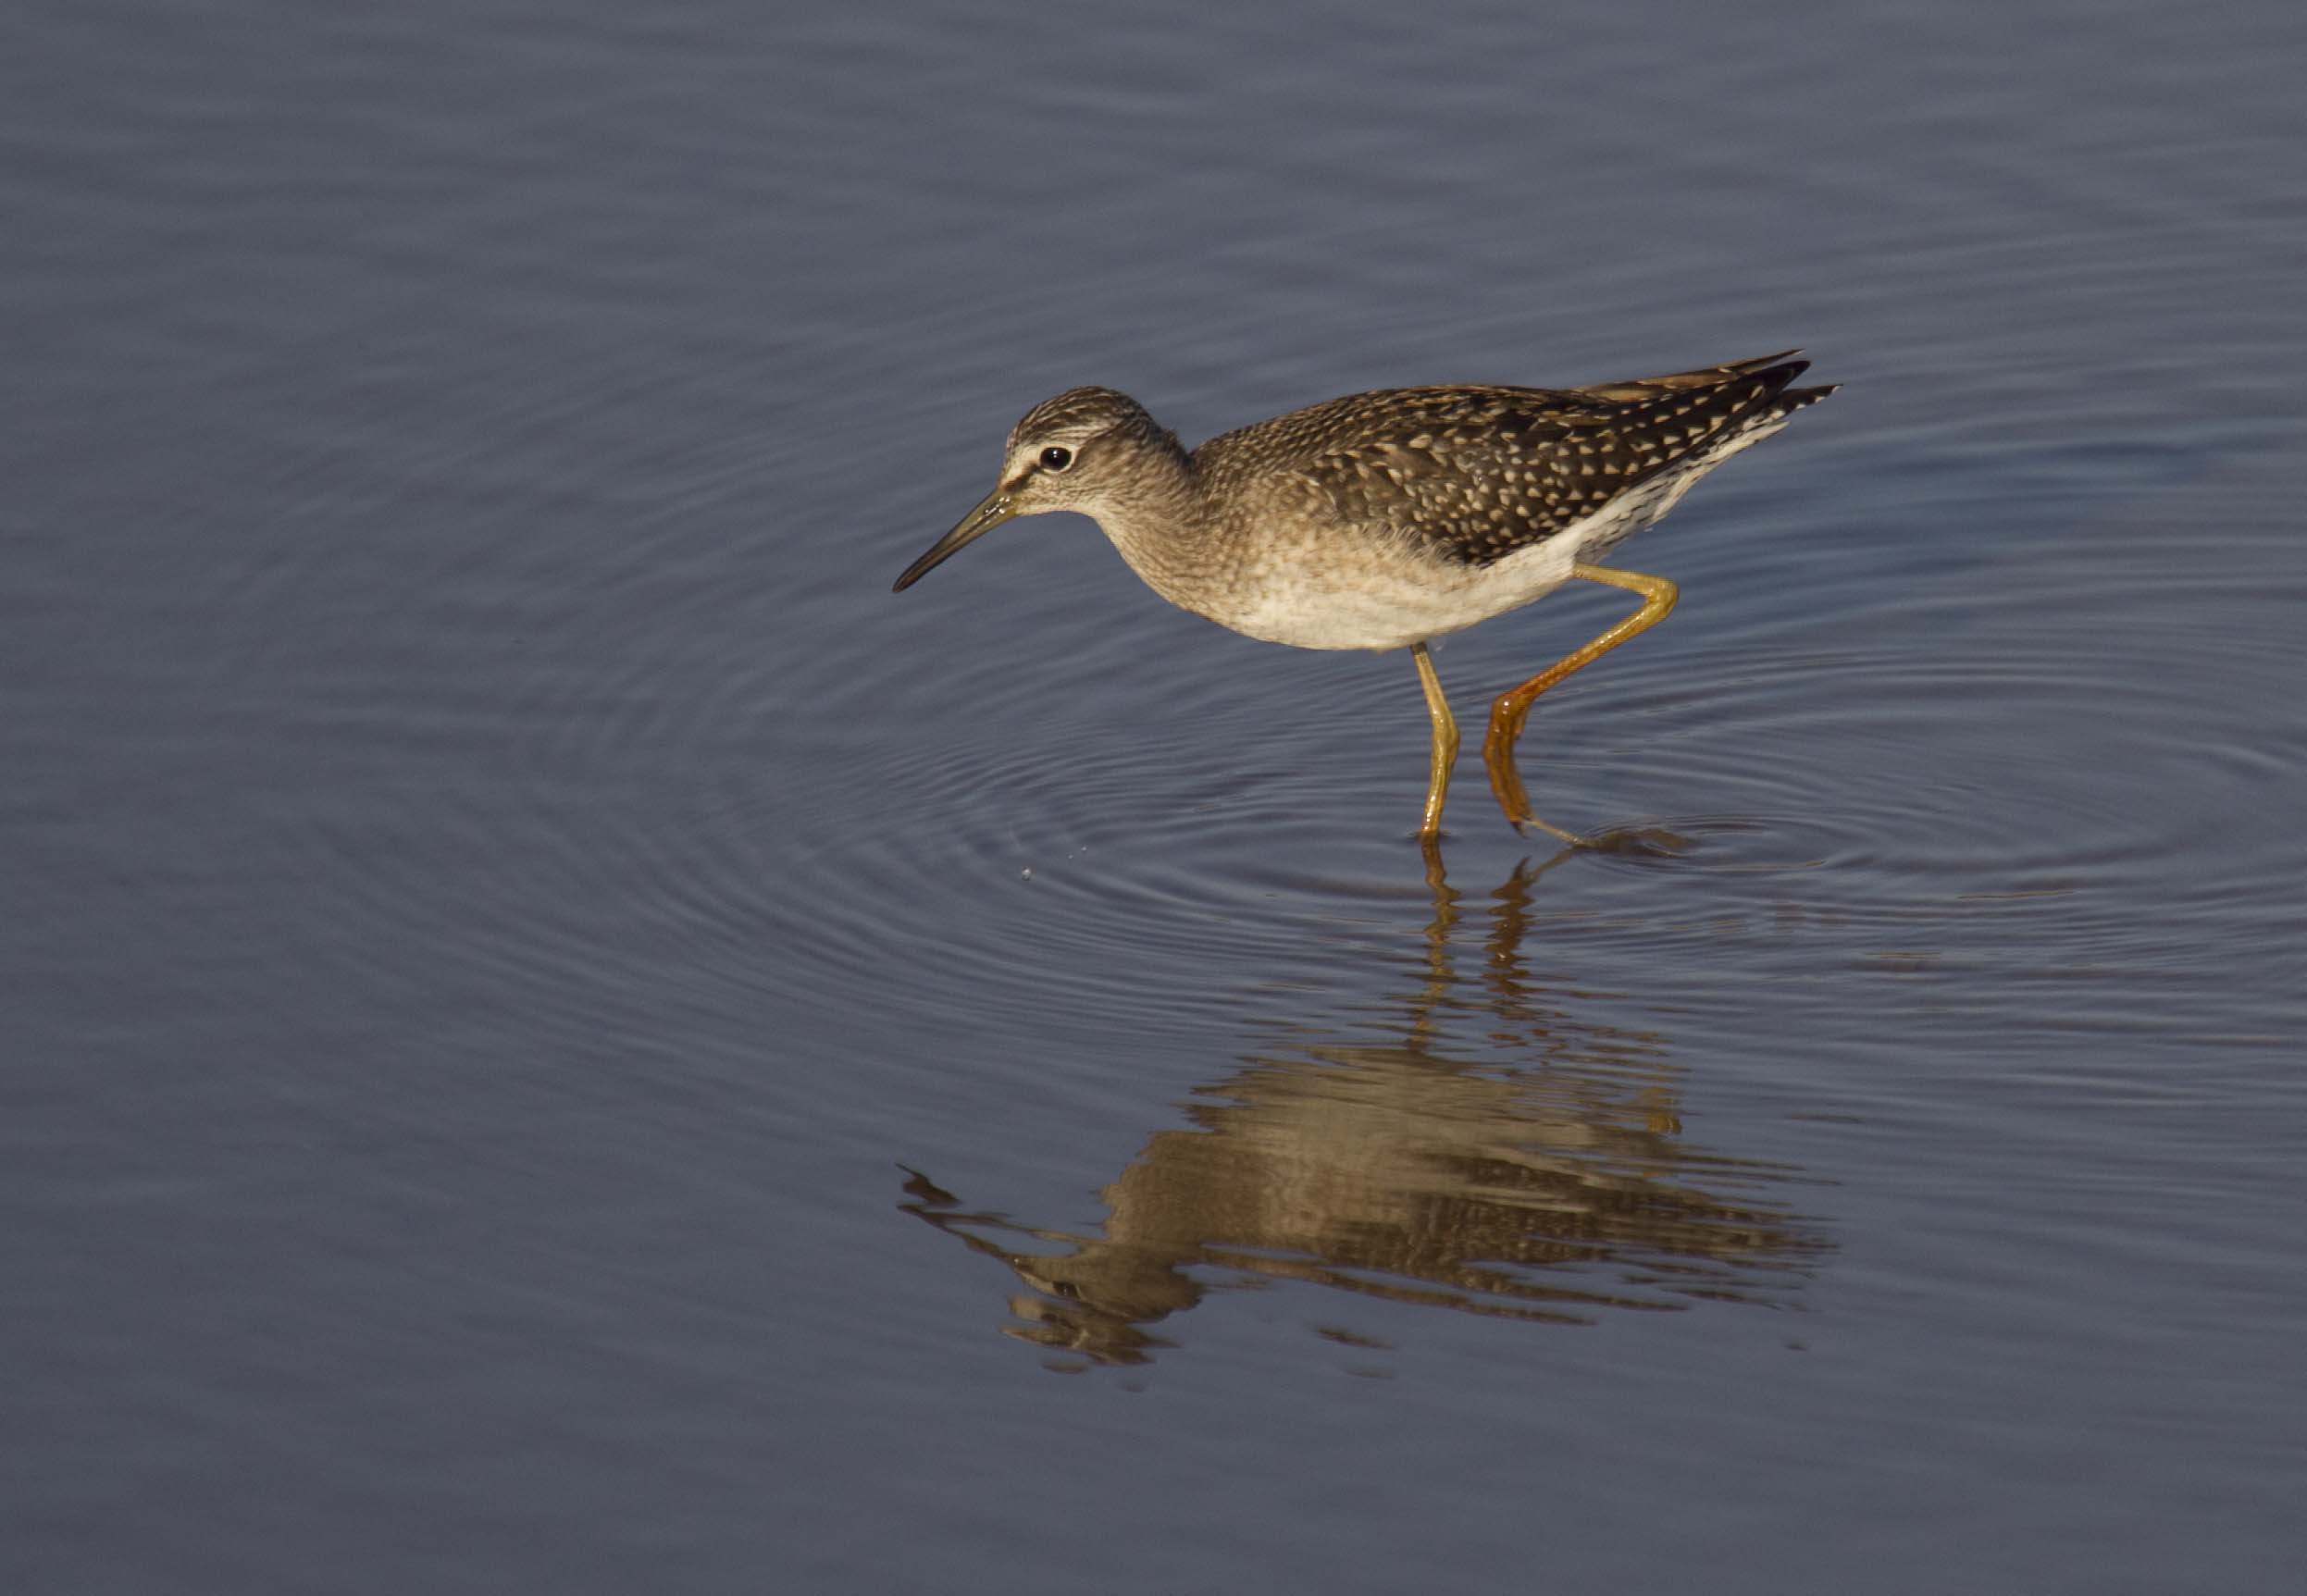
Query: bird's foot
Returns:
{"type": "Point", "coordinates": [1640, 842]}
{"type": "Point", "coordinates": [1505, 786]}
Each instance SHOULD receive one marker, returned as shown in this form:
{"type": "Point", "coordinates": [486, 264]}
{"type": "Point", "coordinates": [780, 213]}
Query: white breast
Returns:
{"type": "Point", "coordinates": [1389, 597]}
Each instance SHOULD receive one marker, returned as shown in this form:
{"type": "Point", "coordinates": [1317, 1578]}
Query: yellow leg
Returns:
{"type": "Point", "coordinates": [1512, 707]}
{"type": "Point", "coordinates": [1445, 743]}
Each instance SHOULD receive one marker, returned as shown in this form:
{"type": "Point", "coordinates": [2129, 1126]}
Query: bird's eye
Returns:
{"type": "Point", "coordinates": [1056, 458]}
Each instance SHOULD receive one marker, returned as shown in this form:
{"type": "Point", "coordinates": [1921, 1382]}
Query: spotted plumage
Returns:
{"type": "Point", "coordinates": [1385, 519]}
{"type": "Point", "coordinates": [1481, 472]}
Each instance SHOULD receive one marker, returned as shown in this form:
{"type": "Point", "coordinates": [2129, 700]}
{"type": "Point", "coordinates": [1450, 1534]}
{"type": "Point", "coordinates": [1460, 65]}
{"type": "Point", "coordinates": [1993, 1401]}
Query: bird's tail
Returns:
{"type": "Point", "coordinates": [1780, 371]}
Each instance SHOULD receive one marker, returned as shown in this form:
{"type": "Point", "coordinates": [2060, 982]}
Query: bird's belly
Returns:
{"type": "Point", "coordinates": [1387, 597]}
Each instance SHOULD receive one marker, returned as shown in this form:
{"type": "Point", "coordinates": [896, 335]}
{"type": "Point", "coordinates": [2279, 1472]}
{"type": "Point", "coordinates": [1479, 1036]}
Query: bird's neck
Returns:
{"type": "Point", "coordinates": [1163, 529]}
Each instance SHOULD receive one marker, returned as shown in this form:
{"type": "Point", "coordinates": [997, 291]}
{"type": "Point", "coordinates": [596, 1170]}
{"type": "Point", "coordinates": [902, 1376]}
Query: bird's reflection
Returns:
{"type": "Point", "coordinates": [1550, 1188]}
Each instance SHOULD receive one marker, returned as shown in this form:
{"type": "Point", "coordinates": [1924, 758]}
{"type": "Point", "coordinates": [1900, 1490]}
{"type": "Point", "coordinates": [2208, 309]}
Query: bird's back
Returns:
{"type": "Point", "coordinates": [1475, 474]}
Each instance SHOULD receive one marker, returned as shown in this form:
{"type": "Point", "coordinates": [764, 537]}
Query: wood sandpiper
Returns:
{"type": "Point", "coordinates": [1385, 520]}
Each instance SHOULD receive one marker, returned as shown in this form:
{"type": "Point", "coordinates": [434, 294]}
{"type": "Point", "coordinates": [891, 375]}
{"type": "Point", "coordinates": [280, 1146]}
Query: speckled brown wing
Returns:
{"type": "Point", "coordinates": [1480, 473]}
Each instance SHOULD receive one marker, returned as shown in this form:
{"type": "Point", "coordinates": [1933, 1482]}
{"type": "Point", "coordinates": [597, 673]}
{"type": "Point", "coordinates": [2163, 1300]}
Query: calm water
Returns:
{"type": "Point", "coordinates": [558, 1037]}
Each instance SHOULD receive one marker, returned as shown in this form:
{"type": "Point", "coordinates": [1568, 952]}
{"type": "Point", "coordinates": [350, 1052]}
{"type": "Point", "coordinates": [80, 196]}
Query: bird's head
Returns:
{"type": "Point", "coordinates": [1084, 449]}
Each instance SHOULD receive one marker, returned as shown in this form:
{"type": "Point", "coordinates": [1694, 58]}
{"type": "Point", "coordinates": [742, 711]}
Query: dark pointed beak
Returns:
{"type": "Point", "coordinates": [996, 508]}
